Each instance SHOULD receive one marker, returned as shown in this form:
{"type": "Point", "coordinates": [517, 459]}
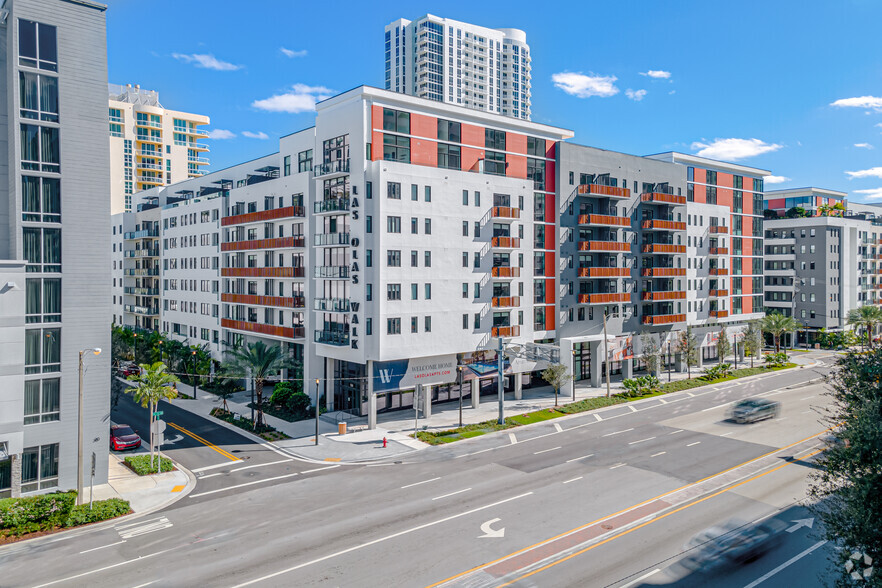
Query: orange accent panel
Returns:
{"type": "Point", "coordinates": [263, 215]}
{"type": "Point", "coordinates": [550, 176]}
{"type": "Point", "coordinates": [473, 135]}
{"type": "Point", "coordinates": [549, 319]}
{"type": "Point", "coordinates": [747, 247]}
{"type": "Point", "coordinates": [470, 157]}
{"type": "Point", "coordinates": [423, 152]}
{"type": "Point", "coordinates": [516, 143]}
{"type": "Point", "coordinates": [776, 203]}
{"type": "Point", "coordinates": [746, 285]}
{"type": "Point", "coordinates": [376, 136]}
{"type": "Point", "coordinates": [550, 293]}
{"type": "Point", "coordinates": [516, 165]}
{"type": "Point", "coordinates": [422, 125]}
{"type": "Point", "coordinates": [725, 197]}
{"type": "Point", "coordinates": [700, 175]}
{"type": "Point", "coordinates": [725, 180]}
{"type": "Point", "coordinates": [549, 265]}
{"type": "Point", "coordinates": [550, 208]}
{"type": "Point", "coordinates": [549, 239]}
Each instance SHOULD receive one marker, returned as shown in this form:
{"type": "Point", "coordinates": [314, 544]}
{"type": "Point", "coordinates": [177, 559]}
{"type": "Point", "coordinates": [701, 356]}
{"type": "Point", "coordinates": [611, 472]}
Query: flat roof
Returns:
{"type": "Point", "coordinates": [697, 161]}
{"type": "Point", "coordinates": [807, 190]}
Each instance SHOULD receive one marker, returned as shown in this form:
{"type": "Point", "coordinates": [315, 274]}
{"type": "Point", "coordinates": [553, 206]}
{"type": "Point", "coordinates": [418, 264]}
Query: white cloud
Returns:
{"type": "Point", "coordinates": [871, 194]}
{"type": "Point", "coordinates": [292, 53]}
{"type": "Point", "coordinates": [658, 74]}
{"type": "Point", "coordinates": [585, 86]}
{"type": "Point", "coordinates": [873, 102]}
{"type": "Point", "coordinates": [873, 172]}
{"type": "Point", "coordinates": [206, 61]}
{"type": "Point", "coordinates": [672, 92]}
{"type": "Point", "coordinates": [257, 135]}
{"type": "Point", "coordinates": [635, 95]}
{"type": "Point", "coordinates": [221, 134]}
{"type": "Point", "coordinates": [734, 149]}
{"type": "Point", "coordinates": [301, 98]}
{"type": "Point", "coordinates": [775, 179]}
{"type": "Point", "coordinates": [864, 146]}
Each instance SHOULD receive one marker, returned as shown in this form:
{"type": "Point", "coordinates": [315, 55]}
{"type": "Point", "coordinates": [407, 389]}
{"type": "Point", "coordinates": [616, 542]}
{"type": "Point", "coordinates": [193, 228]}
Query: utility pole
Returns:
{"type": "Point", "coordinates": [316, 410]}
{"type": "Point", "coordinates": [606, 353]}
{"type": "Point", "coordinates": [416, 408]}
{"type": "Point", "coordinates": [96, 351]}
{"type": "Point", "coordinates": [459, 369]}
{"type": "Point", "coordinates": [194, 374]}
{"type": "Point", "coordinates": [500, 389]}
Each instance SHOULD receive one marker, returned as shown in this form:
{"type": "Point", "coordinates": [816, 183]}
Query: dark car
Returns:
{"type": "Point", "coordinates": [751, 410]}
{"type": "Point", "coordinates": [123, 437]}
{"type": "Point", "coordinates": [733, 542]}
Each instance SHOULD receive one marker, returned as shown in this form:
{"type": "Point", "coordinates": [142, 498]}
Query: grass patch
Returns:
{"type": "Point", "coordinates": [141, 465]}
{"type": "Point", "coordinates": [265, 431]}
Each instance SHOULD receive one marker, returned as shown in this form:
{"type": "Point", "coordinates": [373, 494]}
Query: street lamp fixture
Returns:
{"type": "Point", "coordinates": [96, 351]}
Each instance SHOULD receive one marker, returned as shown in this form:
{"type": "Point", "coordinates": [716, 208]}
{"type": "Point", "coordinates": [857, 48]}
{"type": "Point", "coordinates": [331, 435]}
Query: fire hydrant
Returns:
{"type": "Point", "coordinates": [384, 442]}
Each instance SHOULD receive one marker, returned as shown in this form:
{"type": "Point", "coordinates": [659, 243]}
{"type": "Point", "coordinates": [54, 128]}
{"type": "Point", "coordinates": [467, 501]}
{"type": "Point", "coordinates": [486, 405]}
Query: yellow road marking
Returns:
{"type": "Point", "coordinates": [333, 459]}
{"type": "Point", "coordinates": [178, 488]}
{"type": "Point", "coordinates": [605, 517]}
{"type": "Point", "coordinates": [223, 452]}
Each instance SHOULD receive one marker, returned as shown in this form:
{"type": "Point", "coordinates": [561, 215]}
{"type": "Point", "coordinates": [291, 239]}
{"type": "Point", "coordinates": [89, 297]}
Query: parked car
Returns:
{"type": "Point", "coordinates": [733, 542]}
{"type": "Point", "coordinates": [751, 410]}
{"type": "Point", "coordinates": [129, 370]}
{"type": "Point", "coordinates": [123, 437]}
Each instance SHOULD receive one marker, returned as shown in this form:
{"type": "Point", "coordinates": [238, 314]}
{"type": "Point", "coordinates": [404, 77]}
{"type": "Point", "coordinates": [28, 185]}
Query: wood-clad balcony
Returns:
{"type": "Point", "coordinates": [663, 225]}
{"type": "Point", "coordinates": [662, 272]}
{"type": "Point", "coordinates": [504, 212]}
{"type": "Point", "coordinates": [719, 271]}
{"type": "Point", "coordinates": [277, 243]}
{"type": "Point", "coordinates": [604, 272]}
{"type": "Point", "coordinates": [719, 313]}
{"type": "Point", "coordinates": [718, 251]}
{"type": "Point", "coordinates": [278, 301]}
{"type": "Point", "coordinates": [718, 293]}
{"type": "Point", "coordinates": [505, 242]}
{"type": "Point", "coordinates": [604, 246]}
{"type": "Point", "coordinates": [597, 190]}
{"type": "Point", "coordinates": [505, 301]}
{"type": "Point", "coordinates": [663, 319]}
{"type": "Point", "coordinates": [506, 272]}
{"type": "Point", "coordinates": [514, 331]}
{"type": "Point", "coordinates": [663, 248]}
{"type": "Point", "coordinates": [263, 272]}
{"type": "Point", "coordinates": [296, 332]}
{"type": "Point", "coordinates": [604, 220]}
{"type": "Point", "coordinates": [660, 296]}
{"type": "Point", "coordinates": [264, 215]}
{"type": "Point", "coordinates": [608, 298]}
{"type": "Point", "coordinates": [719, 230]}
{"type": "Point", "coordinates": [659, 198]}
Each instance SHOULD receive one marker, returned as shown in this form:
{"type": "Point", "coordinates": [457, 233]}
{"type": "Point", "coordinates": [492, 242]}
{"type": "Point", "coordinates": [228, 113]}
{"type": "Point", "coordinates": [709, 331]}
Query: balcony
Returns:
{"type": "Point", "coordinates": [718, 293]}
{"type": "Point", "coordinates": [150, 124]}
{"type": "Point", "coordinates": [603, 191]}
{"type": "Point", "coordinates": [719, 313]}
{"type": "Point", "coordinates": [502, 331]}
{"type": "Point", "coordinates": [148, 139]}
{"type": "Point", "coordinates": [506, 272]}
{"type": "Point", "coordinates": [149, 252]}
{"type": "Point", "coordinates": [719, 230]}
{"type": "Point", "coordinates": [604, 246]}
{"type": "Point", "coordinates": [340, 166]}
{"type": "Point", "coordinates": [659, 198]}
{"type": "Point", "coordinates": [198, 146]}
{"type": "Point", "coordinates": [607, 298]}
{"type": "Point", "coordinates": [263, 216]}
{"type": "Point", "coordinates": [504, 212]}
{"type": "Point", "coordinates": [662, 272]}
{"type": "Point", "coordinates": [331, 239]}
{"type": "Point", "coordinates": [332, 205]}
{"type": "Point", "coordinates": [505, 242]}
{"type": "Point", "coordinates": [604, 220]}
{"type": "Point", "coordinates": [277, 243]}
{"type": "Point", "coordinates": [141, 291]}
{"type": "Point", "coordinates": [145, 165]}
{"type": "Point", "coordinates": [663, 248]}
{"type": "Point", "coordinates": [505, 301]}
{"type": "Point", "coordinates": [332, 272]}
{"type": "Point", "coordinates": [663, 225]}
{"type": "Point", "coordinates": [663, 319]}
{"type": "Point", "coordinates": [661, 296]}
{"type": "Point", "coordinates": [331, 304]}
{"type": "Point", "coordinates": [142, 234]}
{"type": "Point", "coordinates": [193, 131]}
{"type": "Point", "coordinates": [719, 271]}
{"type": "Point", "coordinates": [197, 160]}
{"type": "Point", "coordinates": [142, 310]}
{"type": "Point", "coordinates": [295, 332]}
{"type": "Point", "coordinates": [718, 251]}
{"type": "Point", "coordinates": [604, 272]}
{"type": "Point", "coordinates": [277, 301]}
{"type": "Point", "coordinates": [142, 272]}
{"type": "Point", "coordinates": [150, 180]}
{"type": "Point", "coordinates": [333, 337]}
{"type": "Point", "coordinates": [263, 272]}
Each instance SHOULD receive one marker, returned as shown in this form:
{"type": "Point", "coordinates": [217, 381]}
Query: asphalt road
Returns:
{"type": "Point", "coordinates": [492, 505]}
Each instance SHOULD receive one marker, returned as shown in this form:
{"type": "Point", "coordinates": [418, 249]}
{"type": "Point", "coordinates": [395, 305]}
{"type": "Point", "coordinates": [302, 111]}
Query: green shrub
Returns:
{"type": "Point", "coordinates": [640, 386]}
{"type": "Point", "coordinates": [140, 464]}
{"type": "Point", "coordinates": [716, 372]}
{"type": "Point", "coordinates": [776, 359]}
{"type": "Point", "coordinates": [35, 513]}
{"type": "Point", "coordinates": [101, 510]}
{"type": "Point", "coordinates": [281, 393]}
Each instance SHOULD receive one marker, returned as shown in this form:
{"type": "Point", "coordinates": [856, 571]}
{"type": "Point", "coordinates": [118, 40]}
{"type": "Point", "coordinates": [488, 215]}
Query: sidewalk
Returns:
{"type": "Point", "coordinates": [144, 493]}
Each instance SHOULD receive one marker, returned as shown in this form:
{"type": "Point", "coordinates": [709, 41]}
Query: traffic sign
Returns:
{"type": "Point", "coordinates": [158, 413]}
{"type": "Point", "coordinates": [159, 438]}
{"type": "Point", "coordinates": [158, 427]}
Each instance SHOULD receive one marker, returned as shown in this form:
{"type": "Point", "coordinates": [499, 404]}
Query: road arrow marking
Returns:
{"type": "Point", "coordinates": [175, 439]}
{"type": "Point", "coordinates": [800, 523]}
{"type": "Point", "coordinates": [488, 530]}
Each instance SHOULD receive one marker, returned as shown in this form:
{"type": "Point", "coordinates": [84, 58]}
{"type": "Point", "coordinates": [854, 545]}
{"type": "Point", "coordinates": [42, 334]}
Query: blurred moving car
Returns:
{"type": "Point", "coordinates": [123, 437]}
{"type": "Point", "coordinates": [751, 410]}
{"type": "Point", "coordinates": [733, 542]}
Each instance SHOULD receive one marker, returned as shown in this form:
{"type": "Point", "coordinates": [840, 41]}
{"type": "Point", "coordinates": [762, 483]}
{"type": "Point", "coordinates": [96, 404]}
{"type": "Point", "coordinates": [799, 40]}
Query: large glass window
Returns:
{"type": "Point", "coordinates": [42, 401]}
{"type": "Point", "coordinates": [396, 148]}
{"type": "Point", "coordinates": [396, 121]}
{"type": "Point", "coordinates": [43, 300]}
{"type": "Point", "coordinates": [304, 161]}
{"type": "Point", "coordinates": [449, 156]}
{"type": "Point", "coordinates": [336, 149]}
{"type": "Point", "coordinates": [41, 195]}
{"type": "Point", "coordinates": [38, 96]}
{"type": "Point", "coordinates": [37, 45]}
{"type": "Point", "coordinates": [42, 249]}
{"type": "Point", "coordinates": [494, 163]}
{"type": "Point", "coordinates": [494, 139]}
{"type": "Point", "coordinates": [39, 148]}
{"type": "Point", "coordinates": [536, 172]}
{"type": "Point", "coordinates": [449, 131]}
{"type": "Point", "coordinates": [39, 468]}
{"type": "Point", "coordinates": [42, 351]}
{"type": "Point", "coordinates": [535, 146]}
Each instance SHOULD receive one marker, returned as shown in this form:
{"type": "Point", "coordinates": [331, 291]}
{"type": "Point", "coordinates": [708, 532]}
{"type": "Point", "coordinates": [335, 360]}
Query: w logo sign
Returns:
{"type": "Point", "coordinates": [386, 376]}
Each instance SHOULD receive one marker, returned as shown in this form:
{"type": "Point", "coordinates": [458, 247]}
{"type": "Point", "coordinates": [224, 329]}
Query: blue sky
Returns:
{"type": "Point", "coordinates": [794, 87]}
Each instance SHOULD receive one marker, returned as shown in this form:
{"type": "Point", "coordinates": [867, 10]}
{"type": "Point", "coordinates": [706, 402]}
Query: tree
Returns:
{"type": "Point", "coordinates": [153, 384]}
{"type": "Point", "coordinates": [651, 351]}
{"type": "Point", "coordinates": [723, 345]}
{"type": "Point", "coordinates": [796, 212]}
{"type": "Point", "coordinates": [687, 344]}
{"type": "Point", "coordinates": [776, 324]}
{"type": "Point", "coordinates": [770, 214]}
{"type": "Point", "coordinates": [846, 488]}
{"type": "Point", "coordinates": [556, 375]}
{"type": "Point", "coordinates": [753, 340]}
{"type": "Point", "coordinates": [867, 316]}
{"type": "Point", "coordinates": [260, 362]}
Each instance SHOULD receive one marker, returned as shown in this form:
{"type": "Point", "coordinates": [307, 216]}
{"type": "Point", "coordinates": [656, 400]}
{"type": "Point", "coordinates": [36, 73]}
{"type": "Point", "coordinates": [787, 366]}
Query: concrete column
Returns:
{"type": "Point", "coordinates": [627, 369]}
{"type": "Point", "coordinates": [680, 362]}
{"type": "Point", "coordinates": [518, 386]}
{"type": "Point", "coordinates": [596, 364]}
{"type": "Point", "coordinates": [699, 358]}
{"type": "Point", "coordinates": [427, 401]}
{"type": "Point", "coordinates": [566, 358]}
{"type": "Point", "coordinates": [15, 465]}
{"type": "Point", "coordinates": [329, 385]}
{"type": "Point", "coordinates": [371, 397]}
{"type": "Point", "coordinates": [476, 392]}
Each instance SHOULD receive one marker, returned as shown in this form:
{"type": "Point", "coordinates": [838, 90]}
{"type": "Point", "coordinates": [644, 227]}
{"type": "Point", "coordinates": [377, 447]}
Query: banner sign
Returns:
{"type": "Point", "coordinates": [620, 348]}
{"type": "Point", "coordinates": [405, 374]}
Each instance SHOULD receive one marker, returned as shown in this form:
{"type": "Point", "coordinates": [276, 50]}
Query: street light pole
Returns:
{"type": "Point", "coordinates": [194, 374]}
{"type": "Point", "coordinates": [316, 410]}
{"type": "Point", "coordinates": [96, 351]}
{"type": "Point", "coordinates": [459, 369]}
{"type": "Point", "coordinates": [669, 360]}
{"type": "Point", "coordinates": [500, 388]}
{"type": "Point", "coordinates": [574, 374]}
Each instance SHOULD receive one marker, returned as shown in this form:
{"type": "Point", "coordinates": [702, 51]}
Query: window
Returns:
{"type": "Point", "coordinates": [369, 224]}
{"type": "Point", "coordinates": [39, 97]}
{"type": "Point", "coordinates": [477, 321]}
{"type": "Point", "coordinates": [393, 190]}
{"type": "Point", "coordinates": [393, 291]}
{"type": "Point", "coordinates": [304, 161]}
{"type": "Point", "coordinates": [427, 291]}
{"type": "Point", "coordinates": [449, 157]}
{"type": "Point", "coordinates": [477, 199]}
{"type": "Point", "coordinates": [368, 326]}
{"type": "Point", "coordinates": [414, 192]}
{"type": "Point", "coordinates": [494, 163]}
{"type": "Point", "coordinates": [396, 121]}
{"type": "Point", "coordinates": [427, 324]}
{"type": "Point", "coordinates": [286, 165]}
{"type": "Point", "coordinates": [393, 224]}
{"type": "Point", "coordinates": [393, 258]}
{"type": "Point", "coordinates": [427, 259]}
{"type": "Point", "coordinates": [41, 199]}
{"type": "Point", "coordinates": [449, 131]}
{"type": "Point", "coordinates": [42, 249]}
{"type": "Point", "coordinates": [396, 148]}
{"type": "Point", "coordinates": [428, 193]}
{"type": "Point", "coordinates": [414, 324]}
{"type": "Point", "coordinates": [465, 321]}
{"type": "Point", "coordinates": [414, 291]}
{"type": "Point", "coordinates": [465, 290]}
{"type": "Point", "coordinates": [428, 226]}
{"type": "Point", "coordinates": [43, 300]}
{"type": "Point", "coordinates": [536, 147]}
{"type": "Point", "coordinates": [414, 225]}
{"type": "Point", "coordinates": [368, 292]}
{"type": "Point", "coordinates": [368, 258]}
{"type": "Point", "coordinates": [536, 172]}
{"type": "Point", "coordinates": [465, 197]}
{"type": "Point", "coordinates": [37, 45]}
{"type": "Point", "coordinates": [393, 326]}
{"type": "Point", "coordinates": [414, 258]}
{"type": "Point", "coordinates": [494, 139]}
{"type": "Point", "coordinates": [465, 228]}
{"type": "Point", "coordinates": [39, 148]}
{"type": "Point", "coordinates": [368, 190]}
{"type": "Point", "coordinates": [39, 468]}
{"type": "Point", "coordinates": [42, 401]}
{"type": "Point", "coordinates": [477, 290]}
{"type": "Point", "coordinates": [477, 262]}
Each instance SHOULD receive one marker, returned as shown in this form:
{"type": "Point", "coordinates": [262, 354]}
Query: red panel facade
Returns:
{"type": "Point", "coordinates": [376, 136]}
{"type": "Point", "coordinates": [470, 157]}
{"type": "Point", "coordinates": [516, 165]}
{"type": "Point", "coordinates": [472, 135]}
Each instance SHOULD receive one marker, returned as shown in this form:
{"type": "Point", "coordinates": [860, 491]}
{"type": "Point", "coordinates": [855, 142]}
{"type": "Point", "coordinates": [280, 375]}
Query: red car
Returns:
{"type": "Point", "coordinates": [123, 437]}
{"type": "Point", "coordinates": [129, 370]}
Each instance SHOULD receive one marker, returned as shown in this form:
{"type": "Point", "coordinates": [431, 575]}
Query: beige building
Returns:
{"type": "Point", "coordinates": [149, 145]}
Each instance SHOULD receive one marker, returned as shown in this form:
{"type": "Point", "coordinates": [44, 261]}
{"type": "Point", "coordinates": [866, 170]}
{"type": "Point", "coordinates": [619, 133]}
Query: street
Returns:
{"type": "Point", "coordinates": [597, 499]}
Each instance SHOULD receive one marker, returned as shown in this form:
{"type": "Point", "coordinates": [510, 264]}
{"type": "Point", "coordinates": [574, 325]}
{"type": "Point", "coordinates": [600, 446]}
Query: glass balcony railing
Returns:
{"type": "Point", "coordinates": [332, 272]}
{"type": "Point", "coordinates": [332, 304]}
{"type": "Point", "coordinates": [332, 337]}
{"type": "Point", "coordinates": [332, 205]}
{"type": "Point", "coordinates": [332, 239]}
{"type": "Point", "coordinates": [332, 167]}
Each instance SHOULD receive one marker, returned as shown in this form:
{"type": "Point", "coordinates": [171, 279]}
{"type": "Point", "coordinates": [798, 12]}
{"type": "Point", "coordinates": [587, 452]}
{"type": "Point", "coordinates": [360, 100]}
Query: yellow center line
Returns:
{"type": "Point", "coordinates": [223, 452]}
{"type": "Point", "coordinates": [624, 510]}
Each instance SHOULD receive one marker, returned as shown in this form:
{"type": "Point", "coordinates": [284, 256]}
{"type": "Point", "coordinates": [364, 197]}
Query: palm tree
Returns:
{"type": "Point", "coordinates": [776, 324]}
{"type": "Point", "coordinates": [261, 362]}
{"type": "Point", "coordinates": [867, 316]}
{"type": "Point", "coordinates": [153, 384]}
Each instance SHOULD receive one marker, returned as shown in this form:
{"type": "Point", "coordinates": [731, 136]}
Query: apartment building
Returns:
{"type": "Point", "coordinates": [55, 243]}
{"type": "Point", "coordinates": [460, 63]}
{"type": "Point", "coordinates": [810, 199]}
{"type": "Point", "coordinates": [150, 145]}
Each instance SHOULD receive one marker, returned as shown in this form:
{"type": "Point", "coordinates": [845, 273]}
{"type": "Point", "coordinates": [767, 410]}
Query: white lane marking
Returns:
{"type": "Point", "coordinates": [451, 494]}
{"type": "Point", "coordinates": [641, 441]}
{"type": "Point", "coordinates": [631, 406]}
{"type": "Point", "coordinates": [807, 397]}
{"type": "Point", "coordinates": [379, 540]}
{"type": "Point", "coordinates": [116, 565]}
{"type": "Point", "coordinates": [640, 579]}
{"type": "Point", "coordinates": [147, 527]}
{"type": "Point", "coordinates": [727, 434]}
{"type": "Point", "coordinates": [137, 523]}
{"type": "Point", "coordinates": [583, 457]}
{"type": "Point", "coordinates": [617, 432]}
{"type": "Point", "coordinates": [713, 407]}
{"type": "Point", "coordinates": [143, 585]}
{"type": "Point", "coordinates": [691, 444]}
{"type": "Point", "coordinates": [657, 454]}
{"type": "Point", "coordinates": [675, 432]}
{"type": "Point", "coordinates": [598, 417]}
{"type": "Point", "coordinates": [211, 467]}
{"type": "Point", "coordinates": [787, 563]}
{"type": "Point", "coordinates": [691, 395]}
{"type": "Point", "coordinates": [662, 400]}
{"type": "Point", "coordinates": [512, 438]}
{"type": "Point", "coordinates": [618, 465]}
{"type": "Point", "coordinates": [102, 547]}
{"type": "Point", "coordinates": [418, 483]}
{"type": "Point", "coordinates": [573, 480]}
{"type": "Point", "coordinates": [558, 428]}
{"type": "Point", "coordinates": [243, 485]}
{"type": "Point", "coordinates": [320, 469]}
{"type": "Point", "coordinates": [260, 465]}
{"type": "Point", "coordinates": [546, 450]}
{"type": "Point", "coordinates": [212, 475]}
